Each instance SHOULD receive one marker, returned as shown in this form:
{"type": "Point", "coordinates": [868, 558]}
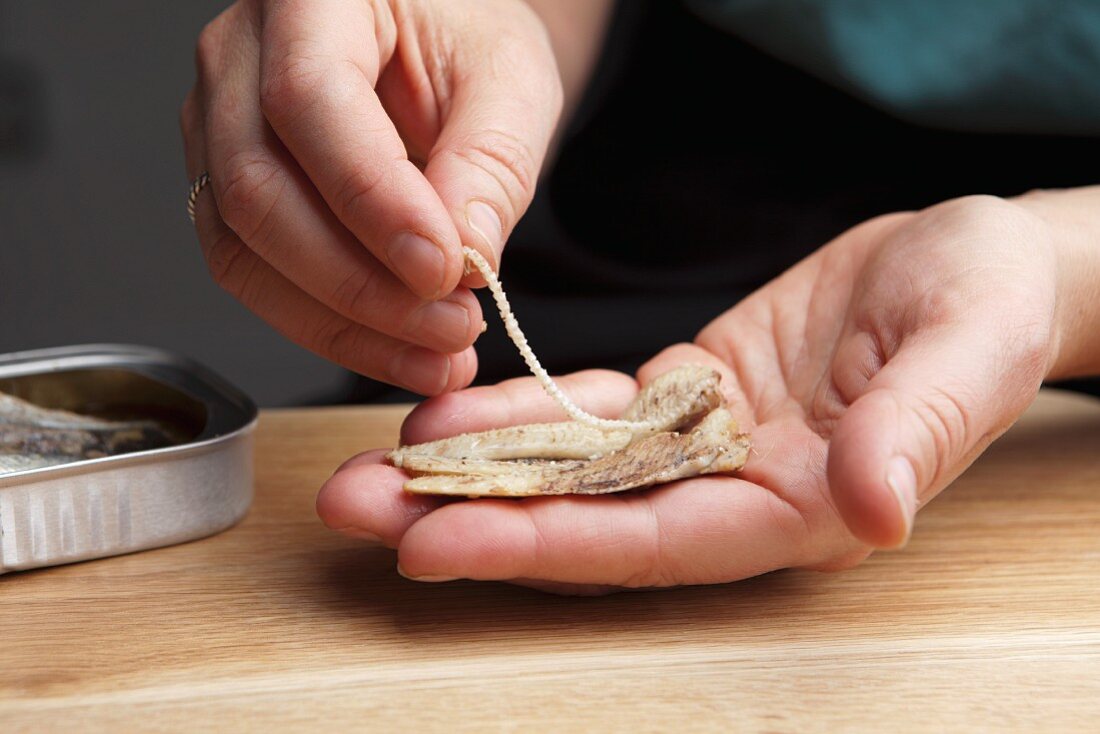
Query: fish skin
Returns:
{"type": "Point", "coordinates": [34, 437]}
{"type": "Point", "coordinates": [714, 446]}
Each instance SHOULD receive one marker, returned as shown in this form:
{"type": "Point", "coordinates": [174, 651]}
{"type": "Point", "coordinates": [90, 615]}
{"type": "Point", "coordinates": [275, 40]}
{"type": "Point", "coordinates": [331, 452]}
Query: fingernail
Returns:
{"type": "Point", "coordinates": [484, 220]}
{"type": "Point", "coordinates": [360, 534]}
{"type": "Point", "coordinates": [419, 262]}
{"type": "Point", "coordinates": [902, 481]}
{"type": "Point", "coordinates": [421, 370]}
{"type": "Point", "coordinates": [427, 578]}
{"type": "Point", "coordinates": [441, 323]}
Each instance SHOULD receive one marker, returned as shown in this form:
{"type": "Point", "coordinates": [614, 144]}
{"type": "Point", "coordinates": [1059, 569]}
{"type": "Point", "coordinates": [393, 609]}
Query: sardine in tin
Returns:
{"type": "Point", "coordinates": [118, 504]}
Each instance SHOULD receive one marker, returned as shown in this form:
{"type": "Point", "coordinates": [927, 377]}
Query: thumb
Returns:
{"type": "Point", "coordinates": [927, 414]}
{"type": "Point", "coordinates": [493, 141]}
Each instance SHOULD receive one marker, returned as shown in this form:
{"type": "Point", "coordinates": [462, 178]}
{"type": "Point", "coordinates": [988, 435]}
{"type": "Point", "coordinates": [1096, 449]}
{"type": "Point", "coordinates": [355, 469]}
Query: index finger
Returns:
{"type": "Point", "coordinates": [319, 64]}
{"type": "Point", "coordinates": [521, 400]}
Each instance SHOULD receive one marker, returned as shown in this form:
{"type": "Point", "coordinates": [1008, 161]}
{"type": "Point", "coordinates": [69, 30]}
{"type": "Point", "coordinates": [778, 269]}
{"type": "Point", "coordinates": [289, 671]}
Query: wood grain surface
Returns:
{"type": "Point", "coordinates": [988, 620]}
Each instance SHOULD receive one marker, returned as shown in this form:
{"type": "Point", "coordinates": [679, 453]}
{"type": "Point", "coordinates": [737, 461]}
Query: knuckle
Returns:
{"type": "Point", "coordinates": [249, 193]}
{"type": "Point", "coordinates": [208, 48]}
{"type": "Point", "coordinates": [652, 568]}
{"type": "Point", "coordinates": [358, 294]}
{"type": "Point", "coordinates": [936, 307]}
{"type": "Point", "coordinates": [219, 39]}
{"type": "Point", "coordinates": [979, 204]}
{"type": "Point", "coordinates": [339, 340]}
{"type": "Point", "coordinates": [289, 85]}
{"type": "Point", "coordinates": [532, 51]}
{"type": "Point", "coordinates": [881, 224]}
{"type": "Point", "coordinates": [979, 212]}
{"type": "Point", "coordinates": [356, 187]}
{"type": "Point", "coordinates": [948, 422]}
{"type": "Point", "coordinates": [508, 160]}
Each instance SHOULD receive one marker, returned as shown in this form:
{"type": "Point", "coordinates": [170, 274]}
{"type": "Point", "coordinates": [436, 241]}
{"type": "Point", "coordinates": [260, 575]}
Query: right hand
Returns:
{"type": "Point", "coordinates": [870, 375]}
{"type": "Point", "coordinates": [354, 146]}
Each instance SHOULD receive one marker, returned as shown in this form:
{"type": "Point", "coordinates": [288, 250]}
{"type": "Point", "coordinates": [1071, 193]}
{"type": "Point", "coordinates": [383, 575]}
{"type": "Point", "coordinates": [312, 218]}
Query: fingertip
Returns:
{"type": "Point", "coordinates": [422, 265]}
{"type": "Point", "coordinates": [868, 483]}
{"type": "Point", "coordinates": [442, 414]}
{"type": "Point", "coordinates": [366, 498]}
{"type": "Point", "coordinates": [433, 374]}
{"type": "Point", "coordinates": [423, 421]}
{"type": "Point", "coordinates": [901, 480]}
{"type": "Point", "coordinates": [454, 265]}
{"type": "Point", "coordinates": [432, 216]}
{"type": "Point", "coordinates": [338, 500]}
{"type": "Point", "coordinates": [449, 325]}
{"type": "Point", "coordinates": [471, 360]}
{"type": "Point", "coordinates": [463, 370]}
{"type": "Point", "coordinates": [485, 222]}
{"type": "Point", "coordinates": [477, 325]}
{"type": "Point", "coordinates": [423, 371]}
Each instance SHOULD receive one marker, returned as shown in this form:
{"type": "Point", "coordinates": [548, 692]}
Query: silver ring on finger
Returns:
{"type": "Point", "coordinates": [193, 193]}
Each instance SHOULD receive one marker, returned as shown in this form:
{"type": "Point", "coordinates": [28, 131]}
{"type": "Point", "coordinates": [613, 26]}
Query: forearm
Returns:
{"type": "Point", "coordinates": [1074, 218]}
{"type": "Point", "coordinates": [576, 29]}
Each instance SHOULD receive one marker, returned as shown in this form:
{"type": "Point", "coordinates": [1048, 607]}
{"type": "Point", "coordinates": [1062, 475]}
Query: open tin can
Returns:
{"type": "Point", "coordinates": [90, 508]}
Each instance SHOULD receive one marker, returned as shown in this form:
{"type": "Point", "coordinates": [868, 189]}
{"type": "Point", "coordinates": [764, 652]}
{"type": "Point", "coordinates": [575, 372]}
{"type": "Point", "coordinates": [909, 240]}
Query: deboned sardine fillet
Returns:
{"type": "Point", "coordinates": [674, 399]}
{"type": "Point", "coordinates": [714, 446]}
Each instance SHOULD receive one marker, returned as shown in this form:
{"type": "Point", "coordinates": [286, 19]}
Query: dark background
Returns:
{"type": "Point", "coordinates": [663, 210]}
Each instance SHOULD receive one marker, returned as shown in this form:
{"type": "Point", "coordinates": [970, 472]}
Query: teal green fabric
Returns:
{"type": "Point", "coordinates": [983, 65]}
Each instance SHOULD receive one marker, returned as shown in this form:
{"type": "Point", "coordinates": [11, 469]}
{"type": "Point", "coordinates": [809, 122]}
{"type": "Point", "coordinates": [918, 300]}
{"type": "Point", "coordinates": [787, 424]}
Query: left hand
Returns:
{"type": "Point", "coordinates": [870, 375]}
{"type": "Point", "coordinates": [353, 147]}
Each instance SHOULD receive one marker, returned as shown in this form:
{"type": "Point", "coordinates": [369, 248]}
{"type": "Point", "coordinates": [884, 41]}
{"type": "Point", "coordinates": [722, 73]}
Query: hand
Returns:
{"type": "Point", "coordinates": [871, 374]}
{"type": "Point", "coordinates": [353, 148]}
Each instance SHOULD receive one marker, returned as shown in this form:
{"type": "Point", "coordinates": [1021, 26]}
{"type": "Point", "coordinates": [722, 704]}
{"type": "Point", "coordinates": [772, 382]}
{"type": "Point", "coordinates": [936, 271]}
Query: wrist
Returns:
{"type": "Point", "coordinates": [1072, 218]}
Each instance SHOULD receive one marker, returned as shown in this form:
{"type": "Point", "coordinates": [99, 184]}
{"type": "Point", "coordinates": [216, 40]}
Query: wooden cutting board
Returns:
{"type": "Point", "coordinates": [988, 620]}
